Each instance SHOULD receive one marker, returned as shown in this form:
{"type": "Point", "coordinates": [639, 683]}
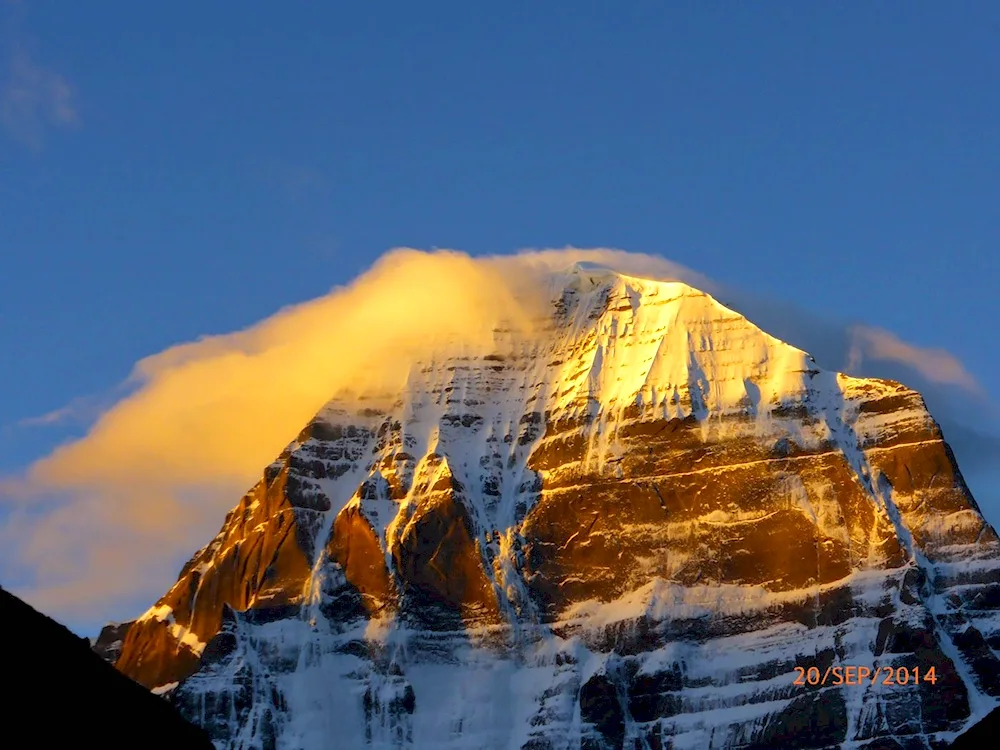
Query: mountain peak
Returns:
{"type": "Point", "coordinates": [587, 275]}
{"type": "Point", "coordinates": [660, 343]}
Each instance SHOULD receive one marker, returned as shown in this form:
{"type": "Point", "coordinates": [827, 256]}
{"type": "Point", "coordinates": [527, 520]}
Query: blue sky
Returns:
{"type": "Point", "coordinates": [165, 175]}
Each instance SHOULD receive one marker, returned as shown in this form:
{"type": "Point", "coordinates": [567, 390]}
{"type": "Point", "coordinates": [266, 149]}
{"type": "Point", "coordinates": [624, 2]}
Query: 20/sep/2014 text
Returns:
{"type": "Point", "coordinates": [861, 675]}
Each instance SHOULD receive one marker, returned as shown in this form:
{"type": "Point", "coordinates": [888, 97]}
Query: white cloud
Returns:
{"type": "Point", "coordinates": [937, 365]}
{"type": "Point", "coordinates": [81, 410]}
{"type": "Point", "coordinates": [34, 98]}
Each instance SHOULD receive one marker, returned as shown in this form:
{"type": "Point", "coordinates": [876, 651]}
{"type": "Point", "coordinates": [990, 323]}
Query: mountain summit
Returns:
{"type": "Point", "coordinates": [646, 524]}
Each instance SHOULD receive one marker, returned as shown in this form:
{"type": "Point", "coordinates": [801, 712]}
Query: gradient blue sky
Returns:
{"type": "Point", "coordinates": [167, 173]}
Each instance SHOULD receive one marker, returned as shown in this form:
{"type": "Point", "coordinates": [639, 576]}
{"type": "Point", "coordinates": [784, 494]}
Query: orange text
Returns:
{"type": "Point", "coordinates": [861, 675]}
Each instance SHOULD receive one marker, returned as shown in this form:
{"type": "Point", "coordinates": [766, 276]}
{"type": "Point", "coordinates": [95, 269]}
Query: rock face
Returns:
{"type": "Point", "coordinates": [59, 694]}
{"type": "Point", "coordinates": [627, 531]}
{"type": "Point", "coordinates": [109, 643]}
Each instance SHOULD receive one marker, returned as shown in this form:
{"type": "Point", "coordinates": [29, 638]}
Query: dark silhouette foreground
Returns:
{"type": "Point", "coordinates": [985, 733]}
{"type": "Point", "coordinates": [58, 693]}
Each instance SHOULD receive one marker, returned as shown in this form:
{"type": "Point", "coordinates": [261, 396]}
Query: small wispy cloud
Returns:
{"type": "Point", "coordinates": [34, 98]}
{"type": "Point", "coordinates": [79, 410]}
{"type": "Point", "coordinates": [936, 365]}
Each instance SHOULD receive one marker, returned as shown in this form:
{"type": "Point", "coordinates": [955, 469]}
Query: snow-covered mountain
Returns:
{"type": "Point", "coordinates": [626, 530]}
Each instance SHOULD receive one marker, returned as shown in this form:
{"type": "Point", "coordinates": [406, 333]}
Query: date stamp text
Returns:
{"type": "Point", "coordinates": [860, 675]}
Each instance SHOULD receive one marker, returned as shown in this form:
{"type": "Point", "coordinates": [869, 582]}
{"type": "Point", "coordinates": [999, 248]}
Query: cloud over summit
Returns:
{"type": "Point", "coordinates": [110, 515]}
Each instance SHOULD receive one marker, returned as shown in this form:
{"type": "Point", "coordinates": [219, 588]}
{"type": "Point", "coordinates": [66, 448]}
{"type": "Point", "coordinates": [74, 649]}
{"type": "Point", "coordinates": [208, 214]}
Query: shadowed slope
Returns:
{"type": "Point", "coordinates": [983, 734]}
{"type": "Point", "coordinates": [64, 695]}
